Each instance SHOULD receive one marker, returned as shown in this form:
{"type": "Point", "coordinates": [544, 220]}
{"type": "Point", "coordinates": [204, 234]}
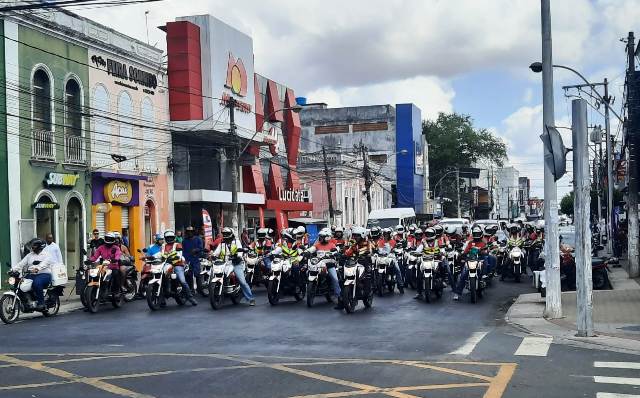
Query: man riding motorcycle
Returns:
{"type": "Point", "coordinates": [263, 246]}
{"type": "Point", "coordinates": [431, 246]}
{"type": "Point", "coordinates": [302, 240]}
{"type": "Point", "coordinates": [170, 245]}
{"type": "Point", "coordinates": [39, 264]}
{"type": "Point", "coordinates": [325, 243]}
{"type": "Point", "coordinates": [230, 249]}
{"type": "Point", "coordinates": [479, 243]}
{"type": "Point", "coordinates": [387, 243]}
{"type": "Point", "coordinates": [338, 238]}
{"type": "Point", "coordinates": [156, 247]}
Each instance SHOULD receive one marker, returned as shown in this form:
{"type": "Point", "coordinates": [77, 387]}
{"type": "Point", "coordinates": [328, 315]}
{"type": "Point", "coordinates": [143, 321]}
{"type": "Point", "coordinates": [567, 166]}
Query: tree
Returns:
{"type": "Point", "coordinates": [566, 204]}
{"type": "Point", "coordinates": [455, 142]}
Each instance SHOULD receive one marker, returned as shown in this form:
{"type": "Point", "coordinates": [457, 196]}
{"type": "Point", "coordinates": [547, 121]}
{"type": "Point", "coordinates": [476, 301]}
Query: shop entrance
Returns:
{"type": "Point", "coordinates": [45, 218]}
{"type": "Point", "coordinates": [149, 222]}
{"type": "Point", "coordinates": [74, 235]}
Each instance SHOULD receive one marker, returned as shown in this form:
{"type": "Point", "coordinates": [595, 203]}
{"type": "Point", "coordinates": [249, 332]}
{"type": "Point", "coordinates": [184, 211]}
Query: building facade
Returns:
{"type": "Point", "coordinates": [506, 192]}
{"type": "Point", "coordinates": [524, 187]}
{"type": "Point", "coordinates": [391, 137]}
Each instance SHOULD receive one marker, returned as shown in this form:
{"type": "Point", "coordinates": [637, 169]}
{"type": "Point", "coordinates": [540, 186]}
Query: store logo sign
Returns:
{"type": "Point", "coordinates": [118, 191]}
{"type": "Point", "coordinates": [236, 76]}
{"type": "Point", "coordinates": [60, 180]}
{"type": "Point", "coordinates": [293, 195]}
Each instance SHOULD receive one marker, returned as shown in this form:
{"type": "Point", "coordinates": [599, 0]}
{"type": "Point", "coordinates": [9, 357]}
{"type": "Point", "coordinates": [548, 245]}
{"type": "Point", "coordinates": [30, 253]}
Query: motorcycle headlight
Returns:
{"type": "Point", "coordinates": [12, 280]}
{"type": "Point", "coordinates": [473, 264]}
{"type": "Point", "coordinates": [156, 268]}
{"type": "Point", "coordinates": [275, 267]}
{"type": "Point", "coordinates": [93, 272]}
{"type": "Point", "coordinates": [313, 266]}
{"type": "Point", "coordinates": [85, 267]}
{"type": "Point", "coordinates": [427, 265]}
{"type": "Point", "coordinates": [349, 271]}
{"type": "Point", "coordinates": [218, 269]}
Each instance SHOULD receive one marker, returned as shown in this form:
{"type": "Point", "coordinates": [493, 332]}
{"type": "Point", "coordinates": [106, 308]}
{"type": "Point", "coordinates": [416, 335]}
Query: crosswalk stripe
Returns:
{"type": "Point", "coordinates": [633, 381]}
{"type": "Point", "coordinates": [617, 365]}
{"type": "Point", "coordinates": [614, 395]}
{"type": "Point", "coordinates": [470, 344]}
{"type": "Point", "coordinates": [534, 346]}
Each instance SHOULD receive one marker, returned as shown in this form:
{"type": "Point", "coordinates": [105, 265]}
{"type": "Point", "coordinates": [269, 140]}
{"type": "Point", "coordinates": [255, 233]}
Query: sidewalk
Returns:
{"type": "Point", "coordinates": [616, 315]}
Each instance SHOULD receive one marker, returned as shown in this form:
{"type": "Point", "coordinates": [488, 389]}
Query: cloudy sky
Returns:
{"type": "Point", "coordinates": [468, 56]}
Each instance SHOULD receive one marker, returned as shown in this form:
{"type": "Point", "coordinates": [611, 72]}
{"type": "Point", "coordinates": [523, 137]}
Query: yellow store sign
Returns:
{"type": "Point", "coordinates": [118, 191]}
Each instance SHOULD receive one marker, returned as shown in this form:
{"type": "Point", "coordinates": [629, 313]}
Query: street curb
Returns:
{"type": "Point", "coordinates": [526, 315]}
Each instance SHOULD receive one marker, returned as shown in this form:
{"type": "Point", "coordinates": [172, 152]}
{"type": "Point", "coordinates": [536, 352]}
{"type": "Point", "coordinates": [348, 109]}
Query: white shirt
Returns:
{"type": "Point", "coordinates": [54, 252]}
{"type": "Point", "coordinates": [44, 267]}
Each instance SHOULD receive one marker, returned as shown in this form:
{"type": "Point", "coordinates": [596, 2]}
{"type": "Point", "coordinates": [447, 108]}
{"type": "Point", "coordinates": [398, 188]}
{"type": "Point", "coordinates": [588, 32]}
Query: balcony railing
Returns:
{"type": "Point", "coordinates": [74, 151]}
{"type": "Point", "coordinates": [43, 145]}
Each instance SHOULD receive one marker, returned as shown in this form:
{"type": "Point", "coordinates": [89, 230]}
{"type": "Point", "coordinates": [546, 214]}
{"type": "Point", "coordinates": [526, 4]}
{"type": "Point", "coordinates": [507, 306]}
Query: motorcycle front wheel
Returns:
{"type": "Point", "coordinates": [153, 299]}
{"type": "Point", "coordinates": [93, 302]}
{"type": "Point", "coordinates": [117, 300]}
{"type": "Point", "coordinates": [215, 298]}
{"type": "Point", "coordinates": [301, 291]}
{"type": "Point", "coordinates": [272, 292]}
{"type": "Point", "coordinates": [427, 289]}
{"type": "Point", "coordinates": [348, 300]}
{"type": "Point", "coordinates": [9, 314]}
{"type": "Point", "coordinates": [516, 274]}
{"type": "Point", "coordinates": [311, 293]}
{"type": "Point", "coordinates": [204, 288]}
{"type": "Point", "coordinates": [54, 308]}
{"type": "Point", "coordinates": [379, 285]}
{"type": "Point", "coordinates": [132, 287]}
{"type": "Point", "coordinates": [473, 293]}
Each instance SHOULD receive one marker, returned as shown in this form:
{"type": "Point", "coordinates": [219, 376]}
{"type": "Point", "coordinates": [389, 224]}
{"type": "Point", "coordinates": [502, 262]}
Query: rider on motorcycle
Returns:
{"type": "Point", "coordinates": [193, 249]}
{"type": "Point", "coordinates": [263, 246]}
{"type": "Point", "coordinates": [325, 243]}
{"type": "Point", "coordinates": [515, 238]}
{"type": "Point", "coordinates": [338, 237]}
{"type": "Point", "coordinates": [476, 241]}
{"type": "Point", "coordinates": [230, 249]}
{"type": "Point", "coordinates": [40, 273]}
{"type": "Point", "coordinates": [170, 245]}
{"type": "Point", "coordinates": [156, 247]}
{"type": "Point", "coordinates": [110, 250]}
{"type": "Point", "coordinates": [360, 247]}
{"type": "Point", "coordinates": [441, 237]}
{"type": "Point", "coordinates": [432, 246]}
{"type": "Point", "coordinates": [302, 239]}
{"type": "Point", "coordinates": [388, 243]}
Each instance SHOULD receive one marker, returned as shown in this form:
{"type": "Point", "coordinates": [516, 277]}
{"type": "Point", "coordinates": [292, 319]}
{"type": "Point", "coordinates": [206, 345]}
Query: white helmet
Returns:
{"type": "Point", "coordinates": [359, 231]}
{"type": "Point", "coordinates": [450, 229]}
{"type": "Point", "coordinates": [324, 234]}
{"type": "Point", "coordinates": [299, 231]}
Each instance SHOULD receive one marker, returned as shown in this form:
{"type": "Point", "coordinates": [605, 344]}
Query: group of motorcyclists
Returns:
{"type": "Point", "coordinates": [448, 246]}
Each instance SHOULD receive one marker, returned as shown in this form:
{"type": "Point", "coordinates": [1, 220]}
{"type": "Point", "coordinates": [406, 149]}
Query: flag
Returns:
{"type": "Point", "coordinates": [208, 228]}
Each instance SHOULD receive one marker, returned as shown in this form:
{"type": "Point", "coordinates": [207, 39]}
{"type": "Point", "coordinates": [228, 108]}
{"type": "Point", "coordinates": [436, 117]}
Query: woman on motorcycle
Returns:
{"type": "Point", "coordinates": [110, 251]}
{"type": "Point", "coordinates": [231, 249]}
{"type": "Point", "coordinates": [38, 264]}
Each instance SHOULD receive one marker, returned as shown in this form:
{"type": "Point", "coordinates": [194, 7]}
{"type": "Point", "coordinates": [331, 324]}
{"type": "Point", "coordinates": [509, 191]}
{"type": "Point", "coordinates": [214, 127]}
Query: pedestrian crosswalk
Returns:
{"type": "Point", "coordinates": [528, 346]}
{"type": "Point", "coordinates": [618, 379]}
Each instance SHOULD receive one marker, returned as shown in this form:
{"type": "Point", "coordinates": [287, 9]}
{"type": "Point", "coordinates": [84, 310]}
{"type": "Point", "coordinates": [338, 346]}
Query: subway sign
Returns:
{"type": "Point", "coordinates": [60, 180]}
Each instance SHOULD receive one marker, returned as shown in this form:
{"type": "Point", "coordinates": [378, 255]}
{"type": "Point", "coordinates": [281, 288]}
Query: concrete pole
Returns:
{"type": "Point", "coordinates": [553, 308]}
{"type": "Point", "coordinates": [633, 200]}
{"type": "Point", "coordinates": [581, 211]}
{"type": "Point", "coordinates": [234, 168]}
{"type": "Point", "coordinates": [458, 191]}
{"type": "Point", "coordinates": [609, 150]}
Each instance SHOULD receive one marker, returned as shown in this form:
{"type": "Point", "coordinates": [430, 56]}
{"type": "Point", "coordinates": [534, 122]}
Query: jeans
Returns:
{"type": "Point", "coordinates": [246, 290]}
{"type": "Point", "coordinates": [179, 271]}
{"type": "Point", "coordinates": [267, 262]}
{"type": "Point", "coordinates": [399, 278]}
{"type": "Point", "coordinates": [333, 275]}
{"type": "Point", "coordinates": [490, 263]}
{"type": "Point", "coordinates": [40, 281]}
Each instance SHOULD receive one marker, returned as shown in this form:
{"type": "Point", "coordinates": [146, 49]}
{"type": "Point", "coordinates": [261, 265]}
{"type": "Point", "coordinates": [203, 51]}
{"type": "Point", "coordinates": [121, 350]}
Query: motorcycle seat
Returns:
{"type": "Point", "coordinates": [597, 261]}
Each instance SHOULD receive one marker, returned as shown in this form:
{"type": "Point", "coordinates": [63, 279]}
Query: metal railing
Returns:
{"type": "Point", "coordinates": [43, 145]}
{"type": "Point", "coordinates": [74, 149]}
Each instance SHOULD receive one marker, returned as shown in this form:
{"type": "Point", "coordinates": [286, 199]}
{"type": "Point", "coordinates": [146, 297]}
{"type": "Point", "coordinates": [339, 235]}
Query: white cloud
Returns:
{"type": "Point", "coordinates": [528, 95]}
{"type": "Point", "coordinates": [429, 94]}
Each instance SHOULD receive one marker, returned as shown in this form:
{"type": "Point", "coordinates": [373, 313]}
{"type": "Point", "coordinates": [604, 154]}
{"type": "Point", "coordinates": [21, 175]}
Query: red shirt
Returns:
{"type": "Point", "coordinates": [261, 247]}
{"type": "Point", "coordinates": [381, 243]}
{"type": "Point", "coordinates": [364, 248]}
{"type": "Point", "coordinates": [325, 246]}
{"type": "Point", "coordinates": [338, 242]}
{"type": "Point", "coordinates": [481, 244]}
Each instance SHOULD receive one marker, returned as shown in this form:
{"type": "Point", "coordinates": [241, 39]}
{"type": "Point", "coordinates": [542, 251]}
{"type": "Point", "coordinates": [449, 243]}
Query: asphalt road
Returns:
{"type": "Point", "coordinates": [399, 348]}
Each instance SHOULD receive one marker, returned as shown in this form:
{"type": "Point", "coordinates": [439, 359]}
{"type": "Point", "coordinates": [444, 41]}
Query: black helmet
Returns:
{"type": "Point", "coordinates": [169, 236]}
{"type": "Point", "coordinates": [490, 230]}
{"type": "Point", "coordinates": [38, 245]}
{"type": "Point", "coordinates": [476, 232]}
{"type": "Point", "coordinates": [418, 233]}
{"type": "Point", "coordinates": [430, 233]}
{"type": "Point", "coordinates": [514, 229]}
{"type": "Point", "coordinates": [227, 234]}
{"type": "Point", "coordinates": [439, 229]}
{"type": "Point", "coordinates": [338, 232]}
{"type": "Point", "coordinates": [375, 233]}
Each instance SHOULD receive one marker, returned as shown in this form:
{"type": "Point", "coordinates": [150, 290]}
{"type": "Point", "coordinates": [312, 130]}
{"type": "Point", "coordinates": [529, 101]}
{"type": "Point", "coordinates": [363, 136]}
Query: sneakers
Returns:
{"type": "Point", "coordinates": [192, 301]}
{"type": "Point", "coordinates": [252, 303]}
{"type": "Point", "coordinates": [456, 297]}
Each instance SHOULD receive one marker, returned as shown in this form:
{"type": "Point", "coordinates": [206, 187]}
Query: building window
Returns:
{"type": "Point", "coordinates": [127, 145]}
{"type": "Point", "coordinates": [41, 100]}
{"type": "Point", "coordinates": [148, 143]}
{"type": "Point", "coordinates": [101, 137]}
{"type": "Point", "coordinates": [72, 108]}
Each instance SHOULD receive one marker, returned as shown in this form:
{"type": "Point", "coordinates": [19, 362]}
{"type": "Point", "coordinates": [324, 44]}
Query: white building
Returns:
{"type": "Point", "coordinates": [506, 192]}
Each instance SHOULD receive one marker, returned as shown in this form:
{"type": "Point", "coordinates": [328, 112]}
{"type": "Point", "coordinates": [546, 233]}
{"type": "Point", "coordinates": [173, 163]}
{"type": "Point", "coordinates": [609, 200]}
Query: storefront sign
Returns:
{"type": "Point", "coordinates": [236, 81]}
{"type": "Point", "coordinates": [60, 180]}
{"type": "Point", "coordinates": [120, 70]}
{"type": "Point", "coordinates": [293, 195]}
{"type": "Point", "coordinates": [118, 191]}
{"type": "Point", "coordinates": [103, 207]}
{"type": "Point", "coordinates": [46, 205]}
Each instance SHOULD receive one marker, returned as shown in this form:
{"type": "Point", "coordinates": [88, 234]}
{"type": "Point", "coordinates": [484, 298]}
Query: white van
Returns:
{"type": "Point", "coordinates": [390, 218]}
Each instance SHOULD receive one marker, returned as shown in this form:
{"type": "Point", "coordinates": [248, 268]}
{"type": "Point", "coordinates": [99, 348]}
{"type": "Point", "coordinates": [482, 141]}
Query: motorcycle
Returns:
{"type": "Point", "coordinates": [357, 284]}
{"type": "Point", "coordinates": [401, 258]}
{"type": "Point", "coordinates": [453, 258]}
{"type": "Point", "coordinates": [224, 283]}
{"type": "Point", "coordinates": [164, 282]}
{"type": "Point", "coordinates": [475, 283]}
{"type": "Point", "coordinates": [205, 276]}
{"type": "Point", "coordinates": [285, 280]}
{"type": "Point", "coordinates": [599, 273]}
{"type": "Point", "coordinates": [131, 279]}
{"type": "Point", "coordinates": [255, 269]}
{"type": "Point", "coordinates": [318, 281]}
{"type": "Point", "coordinates": [100, 285]}
{"type": "Point", "coordinates": [432, 278]}
{"type": "Point", "coordinates": [385, 276]}
{"type": "Point", "coordinates": [21, 298]}
{"type": "Point", "coordinates": [413, 267]}
{"type": "Point", "coordinates": [515, 264]}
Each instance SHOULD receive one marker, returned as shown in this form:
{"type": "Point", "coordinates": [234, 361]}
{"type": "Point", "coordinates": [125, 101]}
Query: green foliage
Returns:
{"type": "Point", "coordinates": [566, 204]}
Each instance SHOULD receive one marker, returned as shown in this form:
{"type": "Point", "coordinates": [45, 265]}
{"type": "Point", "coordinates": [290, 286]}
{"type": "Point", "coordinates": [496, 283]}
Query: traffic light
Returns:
{"type": "Point", "coordinates": [555, 156]}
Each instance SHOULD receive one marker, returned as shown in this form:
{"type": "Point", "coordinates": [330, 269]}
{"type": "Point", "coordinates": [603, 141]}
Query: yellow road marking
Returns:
{"type": "Point", "coordinates": [168, 372]}
{"type": "Point", "coordinates": [35, 385]}
{"type": "Point", "coordinates": [73, 377]}
{"type": "Point", "coordinates": [393, 390]}
{"type": "Point", "coordinates": [500, 382]}
{"type": "Point", "coordinates": [445, 370]}
{"type": "Point", "coordinates": [76, 360]}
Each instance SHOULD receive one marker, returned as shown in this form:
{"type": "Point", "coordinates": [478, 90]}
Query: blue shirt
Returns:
{"type": "Point", "coordinates": [188, 246]}
{"type": "Point", "coordinates": [153, 250]}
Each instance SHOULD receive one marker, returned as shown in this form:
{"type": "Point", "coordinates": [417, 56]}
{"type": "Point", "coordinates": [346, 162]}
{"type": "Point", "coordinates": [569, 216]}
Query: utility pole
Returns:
{"type": "Point", "coordinates": [632, 134]}
{"type": "Point", "coordinates": [581, 210]}
{"type": "Point", "coordinates": [366, 174]}
{"type": "Point", "coordinates": [553, 301]}
{"type": "Point", "coordinates": [458, 191]}
{"type": "Point", "coordinates": [607, 127]}
{"type": "Point", "coordinates": [328, 181]}
{"type": "Point", "coordinates": [234, 166]}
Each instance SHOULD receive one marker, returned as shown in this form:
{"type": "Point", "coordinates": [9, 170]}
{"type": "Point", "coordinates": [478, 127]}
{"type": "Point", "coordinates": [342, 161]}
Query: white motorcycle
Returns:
{"type": "Point", "coordinates": [21, 297]}
{"type": "Point", "coordinates": [355, 286]}
{"type": "Point", "coordinates": [431, 277]}
{"type": "Point", "coordinates": [384, 276]}
{"type": "Point", "coordinates": [224, 283]}
{"type": "Point", "coordinates": [475, 283]}
{"type": "Point", "coordinates": [516, 264]}
{"type": "Point", "coordinates": [318, 280]}
{"type": "Point", "coordinates": [284, 281]}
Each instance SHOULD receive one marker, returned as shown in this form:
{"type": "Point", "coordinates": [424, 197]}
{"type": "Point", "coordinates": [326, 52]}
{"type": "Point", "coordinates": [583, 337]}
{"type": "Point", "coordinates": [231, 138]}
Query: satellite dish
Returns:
{"type": "Point", "coordinates": [555, 156]}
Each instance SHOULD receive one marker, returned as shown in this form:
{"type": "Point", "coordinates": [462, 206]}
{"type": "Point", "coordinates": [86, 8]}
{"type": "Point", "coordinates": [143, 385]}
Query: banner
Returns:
{"type": "Point", "coordinates": [208, 228]}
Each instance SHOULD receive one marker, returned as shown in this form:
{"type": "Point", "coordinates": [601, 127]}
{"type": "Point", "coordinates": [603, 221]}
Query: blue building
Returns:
{"type": "Point", "coordinates": [392, 136]}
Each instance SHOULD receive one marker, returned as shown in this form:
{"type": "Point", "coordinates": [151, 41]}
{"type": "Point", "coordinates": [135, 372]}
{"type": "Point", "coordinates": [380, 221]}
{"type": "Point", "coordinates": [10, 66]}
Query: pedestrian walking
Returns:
{"type": "Point", "coordinates": [52, 249]}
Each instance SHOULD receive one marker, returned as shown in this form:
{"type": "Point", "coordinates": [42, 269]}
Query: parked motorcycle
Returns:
{"type": "Point", "coordinates": [318, 281]}
{"type": "Point", "coordinates": [164, 282]}
{"type": "Point", "coordinates": [20, 298]}
{"type": "Point", "coordinates": [385, 275]}
{"type": "Point", "coordinates": [223, 284]}
{"type": "Point", "coordinates": [99, 288]}
{"type": "Point", "coordinates": [286, 279]}
{"type": "Point", "coordinates": [432, 277]}
{"type": "Point", "coordinates": [357, 284]}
